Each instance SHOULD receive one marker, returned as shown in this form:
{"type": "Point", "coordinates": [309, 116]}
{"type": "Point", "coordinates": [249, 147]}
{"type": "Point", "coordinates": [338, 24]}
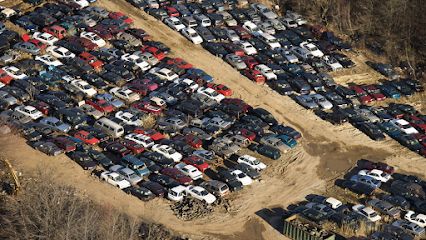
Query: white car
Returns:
{"type": "Point", "coordinates": [174, 23]}
{"type": "Point", "coordinates": [81, 3]}
{"type": "Point", "coordinates": [176, 193]}
{"type": "Point", "coordinates": [143, 65]}
{"type": "Point", "coordinates": [190, 83]}
{"type": "Point", "coordinates": [376, 174]}
{"type": "Point", "coordinates": [232, 35]}
{"type": "Point", "coordinates": [125, 94]}
{"type": "Point", "coordinates": [84, 87]}
{"type": "Point", "coordinates": [404, 126]}
{"type": "Point", "coordinates": [417, 218]}
{"type": "Point", "coordinates": [48, 60]}
{"type": "Point", "coordinates": [322, 101]}
{"type": "Point", "coordinates": [252, 162]}
{"type": "Point", "coordinates": [45, 38]}
{"type": "Point", "coordinates": [312, 49]}
{"type": "Point", "coordinates": [332, 63]}
{"type": "Point", "coordinates": [141, 139]}
{"type": "Point", "coordinates": [127, 173]}
{"type": "Point", "coordinates": [168, 152]}
{"type": "Point", "coordinates": [252, 28]}
{"type": "Point", "coordinates": [242, 177]}
{"type": "Point", "coordinates": [14, 72]}
{"type": "Point", "coordinates": [91, 111]}
{"type": "Point", "coordinates": [29, 111]}
{"type": "Point", "coordinates": [128, 118]}
{"type": "Point", "coordinates": [115, 179]}
{"type": "Point", "coordinates": [289, 23]}
{"type": "Point", "coordinates": [210, 93]}
{"type": "Point", "coordinates": [60, 52]}
{"type": "Point", "coordinates": [200, 193]}
{"type": "Point", "coordinates": [247, 48]}
{"type": "Point", "coordinates": [192, 35]}
{"type": "Point", "coordinates": [266, 71]}
{"type": "Point", "coordinates": [94, 38]}
{"type": "Point", "coordinates": [367, 212]}
{"type": "Point", "coordinates": [189, 171]}
{"type": "Point", "coordinates": [166, 74]}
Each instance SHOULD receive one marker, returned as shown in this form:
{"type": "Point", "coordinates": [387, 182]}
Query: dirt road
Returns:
{"type": "Point", "coordinates": [325, 152]}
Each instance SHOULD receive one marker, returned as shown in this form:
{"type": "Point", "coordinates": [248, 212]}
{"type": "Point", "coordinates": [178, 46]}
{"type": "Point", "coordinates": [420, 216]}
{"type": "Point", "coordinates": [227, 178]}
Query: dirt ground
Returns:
{"type": "Point", "coordinates": [326, 152]}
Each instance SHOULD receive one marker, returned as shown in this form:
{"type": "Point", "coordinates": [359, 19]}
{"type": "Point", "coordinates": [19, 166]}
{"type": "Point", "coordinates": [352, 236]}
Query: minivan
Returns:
{"type": "Point", "coordinates": [189, 22]}
{"type": "Point", "coordinates": [217, 188]}
{"type": "Point", "coordinates": [136, 165]}
{"type": "Point", "coordinates": [109, 127]}
{"type": "Point", "coordinates": [203, 20]}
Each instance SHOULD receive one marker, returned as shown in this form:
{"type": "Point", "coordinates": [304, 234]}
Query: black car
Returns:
{"type": "Point", "coordinates": [17, 93]}
{"type": "Point", "coordinates": [154, 168]}
{"type": "Point", "coordinates": [249, 171]}
{"type": "Point", "coordinates": [335, 117]}
{"type": "Point", "coordinates": [142, 193]}
{"type": "Point", "coordinates": [205, 34]}
{"type": "Point", "coordinates": [154, 187]}
{"type": "Point", "coordinates": [358, 187]}
{"type": "Point", "coordinates": [402, 87]}
{"type": "Point", "coordinates": [344, 60]}
{"type": "Point", "coordinates": [258, 44]}
{"type": "Point", "coordinates": [414, 84]}
{"type": "Point", "coordinates": [225, 176]}
{"type": "Point", "coordinates": [265, 115]}
{"type": "Point", "coordinates": [287, 130]}
{"type": "Point", "coordinates": [100, 158]}
{"type": "Point", "coordinates": [265, 150]}
{"type": "Point", "coordinates": [78, 63]}
{"type": "Point", "coordinates": [371, 130]}
{"type": "Point", "coordinates": [300, 85]}
{"type": "Point", "coordinates": [396, 200]}
{"type": "Point", "coordinates": [164, 180]}
{"type": "Point", "coordinates": [158, 158]}
{"type": "Point", "coordinates": [220, 33]}
{"type": "Point", "coordinates": [95, 80]}
{"type": "Point", "coordinates": [99, 134]}
{"type": "Point", "coordinates": [83, 159]}
{"type": "Point", "coordinates": [73, 116]}
{"type": "Point", "coordinates": [345, 92]}
{"type": "Point", "coordinates": [411, 191]}
{"type": "Point", "coordinates": [281, 86]}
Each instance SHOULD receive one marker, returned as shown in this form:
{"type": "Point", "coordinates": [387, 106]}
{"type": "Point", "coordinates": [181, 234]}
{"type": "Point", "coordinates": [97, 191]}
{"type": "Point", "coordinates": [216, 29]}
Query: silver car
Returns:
{"type": "Point", "coordinates": [127, 173]}
{"type": "Point", "coordinates": [56, 123]}
{"type": "Point", "coordinates": [322, 101]}
{"type": "Point", "coordinates": [27, 47]}
{"type": "Point", "coordinates": [235, 61]}
{"type": "Point", "coordinates": [368, 115]}
{"type": "Point", "coordinates": [307, 101]}
{"type": "Point", "coordinates": [384, 207]}
{"type": "Point", "coordinates": [132, 40]}
{"type": "Point", "coordinates": [274, 142]}
{"type": "Point", "coordinates": [409, 227]}
{"type": "Point", "coordinates": [5, 96]}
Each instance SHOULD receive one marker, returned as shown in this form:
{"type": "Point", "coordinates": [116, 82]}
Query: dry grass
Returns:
{"type": "Point", "coordinates": [149, 121]}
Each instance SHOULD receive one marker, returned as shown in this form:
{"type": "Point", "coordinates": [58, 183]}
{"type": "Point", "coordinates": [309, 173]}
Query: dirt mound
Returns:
{"type": "Point", "coordinates": [190, 209]}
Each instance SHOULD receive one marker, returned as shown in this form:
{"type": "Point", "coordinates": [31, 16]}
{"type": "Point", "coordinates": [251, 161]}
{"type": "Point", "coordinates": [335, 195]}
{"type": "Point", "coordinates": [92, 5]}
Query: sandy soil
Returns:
{"type": "Point", "coordinates": [326, 152]}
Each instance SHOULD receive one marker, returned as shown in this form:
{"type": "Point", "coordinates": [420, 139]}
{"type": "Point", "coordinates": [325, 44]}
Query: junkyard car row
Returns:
{"type": "Point", "coordinates": [293, 58]}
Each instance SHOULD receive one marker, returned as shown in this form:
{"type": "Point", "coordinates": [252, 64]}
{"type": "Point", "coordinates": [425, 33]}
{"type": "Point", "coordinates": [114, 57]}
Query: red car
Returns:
{"type": "Point", "coordinates": [416, 122]}
{"type": "Point", "coordinates": [4, 77]}
{"type": "Point", "coordinates": [160, 55]}
{"type": "Point", "coordinates": [364, 98]}
{"type": "Point", "coordinates": [101, 105]}
{"type": "Point", "coordinates": [421, 138]}
{"type": "Point", "coordinates": [86, 137]}
{"type": "Point", "coordinates": [238, 102]}
{"type": "Point", "coordinates": [179, 62]}
{"type": "Point", "coordinates": [41, 106]}
{"type": "Point", "coordinates": [192, 140]}
{"type": "Point", "coordinates": [138, 88]}
{"type": "Point", "coordinates": [55, 30]}
{"type": "Point", "coordinates": [147, 107]}
{"type": "Point", "coordinates": [196, 162]}
{"type": "Point", "coordinates": [250, 61]}
{"type": "Point", "coordinates": [102, 31]}
{"type": "Point", "coordinates": [38, 44]}
{"type": "Point", "coordinates": [255, 76]}
{"type": "Point", "coordinates": [369, 165]}
{"type": "Point", "coordinates": [64, 143]}
{"type": "Point", "coordinates": [146, 83]}
{"type": "Point", "coordinates": [117, 148]}
{"type": "Point", "coordinates": [220, 88]}
{"type": "Point", "coordinates": [153, 134]}
{"type": "Point", "coordinates": [375, 92]}
{"type": "Point", "coordinates": [177, 175]}
{"type": "Point", "coordinates": [91, 60]}
{"type": "Point", "coordinates": [233, 48]}
{"type": "Point", "coordinates": [120, 16]}
{"type": "Point", "coordinates": [246, 133]}
{"type": "Point", "coordinates": [135, 147]}
{"type": "Point", "coordinates": [242, 32]}
{"type": "Point", "coordinates": [171, 11]}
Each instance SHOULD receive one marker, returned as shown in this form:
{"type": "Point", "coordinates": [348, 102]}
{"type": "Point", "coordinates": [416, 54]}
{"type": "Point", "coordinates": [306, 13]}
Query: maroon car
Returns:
{"type": "Point", "coordinates": [64, 143]}
{"type": "Point", "coordinates": [374, 91]}
{"type": "Point", "coordinates": [117, 148]}
{"type": "Point", "coordinates": [370, 165]}
{"type": "Point", "coordinates": [133, 146]}
{"type": "Point", "coordinates": [364, 98]}
{"type": "Point", "coordinates": [177, 175]}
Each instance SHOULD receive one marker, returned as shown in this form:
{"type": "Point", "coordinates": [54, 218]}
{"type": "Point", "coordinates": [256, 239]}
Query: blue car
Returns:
{"type": "Point", "coordinates": [109, 98]}
{"type": "Point", "coordinates": [366, 180]}
{"type": "Point", "coordinates": [200, 73]}
{"type": "Point", "coordinates": [136, 165]}
{"type": "Point", "coordinates": [390, 129]}
{"type": "Point", "coordinates": [289, 141]}
{"type": "Point", "coordinates": [25, 23]}
{"type": "Point", "coordinates": [389, 91]}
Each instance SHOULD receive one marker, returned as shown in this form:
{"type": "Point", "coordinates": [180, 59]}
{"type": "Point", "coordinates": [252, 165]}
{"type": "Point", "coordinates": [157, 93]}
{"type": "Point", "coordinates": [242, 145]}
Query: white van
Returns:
{"type": "Point", "coordinates": [109, 127]}
{"type": "Point", "coordinates": [270, 40]}
{"type": "Point", "coordinates": [177, 193]}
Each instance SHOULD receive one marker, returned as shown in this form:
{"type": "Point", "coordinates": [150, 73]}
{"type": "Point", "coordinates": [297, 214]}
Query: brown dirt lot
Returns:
{"type": "Point", "coordinates": [326, 152]}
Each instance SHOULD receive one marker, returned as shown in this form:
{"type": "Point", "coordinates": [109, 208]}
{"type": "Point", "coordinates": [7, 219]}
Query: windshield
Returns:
{"type": "Point", "coordinates": [204, 193]}
{"type": "Point", "coordinates": [241, 175]}
{"type": "Point", "coordinates": [119, 178]}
